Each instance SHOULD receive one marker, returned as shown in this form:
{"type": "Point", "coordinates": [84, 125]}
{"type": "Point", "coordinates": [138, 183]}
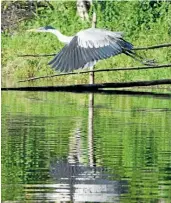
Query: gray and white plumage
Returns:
{"type": "Point", "coordinates": [87, 47]}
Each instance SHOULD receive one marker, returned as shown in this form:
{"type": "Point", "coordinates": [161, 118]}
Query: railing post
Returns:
{"type": "Point", "coordinates": [91, 76]}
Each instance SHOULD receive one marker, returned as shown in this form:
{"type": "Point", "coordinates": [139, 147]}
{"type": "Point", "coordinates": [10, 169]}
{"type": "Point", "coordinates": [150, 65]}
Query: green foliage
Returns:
{"type": "Point", "coordinates": [143, 22]}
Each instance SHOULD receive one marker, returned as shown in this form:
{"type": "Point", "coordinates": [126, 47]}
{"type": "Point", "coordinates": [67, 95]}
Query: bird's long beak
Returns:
{"type": "Point", "coordinates": [32, 30]}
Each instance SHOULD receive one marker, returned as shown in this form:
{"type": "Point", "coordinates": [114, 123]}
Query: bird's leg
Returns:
{"type": "Point", "coordinates": [140, 59]}
{"type": "Point", "coordinates": [91, 75]}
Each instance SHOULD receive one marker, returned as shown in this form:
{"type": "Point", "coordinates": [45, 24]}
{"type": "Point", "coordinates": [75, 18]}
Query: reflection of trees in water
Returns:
{"type": "Point", "coordinates": [133, 141]}
{"type": "Point", "coordinates": [27, 135]}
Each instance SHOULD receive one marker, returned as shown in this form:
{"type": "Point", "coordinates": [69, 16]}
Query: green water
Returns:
{"type": "Point", "coordinates": [60, 147]}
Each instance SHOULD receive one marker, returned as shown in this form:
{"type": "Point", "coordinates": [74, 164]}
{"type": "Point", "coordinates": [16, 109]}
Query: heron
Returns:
{"type": "Point", "coordinates": [88, 47]}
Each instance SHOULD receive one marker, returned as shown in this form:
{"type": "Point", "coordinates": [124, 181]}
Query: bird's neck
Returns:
{"type": "Point", "coordinates": [61, 37]}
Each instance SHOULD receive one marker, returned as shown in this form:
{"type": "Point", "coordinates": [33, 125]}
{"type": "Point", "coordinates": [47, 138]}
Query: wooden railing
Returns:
{"type": "Point", "coordinates": [101, 70]}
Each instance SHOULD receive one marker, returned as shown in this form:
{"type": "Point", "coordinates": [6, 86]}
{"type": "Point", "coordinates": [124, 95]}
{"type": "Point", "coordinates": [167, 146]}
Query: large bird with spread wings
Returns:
{"type": "Point", "coordinates": [87, 47]}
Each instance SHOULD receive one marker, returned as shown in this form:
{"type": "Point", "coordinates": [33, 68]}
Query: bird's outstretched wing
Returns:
{"type": "Point", "coordinates": [89, 46]}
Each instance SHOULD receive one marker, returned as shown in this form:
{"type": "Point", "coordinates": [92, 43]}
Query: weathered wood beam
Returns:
{"type": "Point", "coordinates": [135, 48]}
{"type": "Point", "coordinates": [90, 87]}
{"type": "Point", "coordinates": [99, 70]}
{"type": "Point", "coordinates": [153, 47]}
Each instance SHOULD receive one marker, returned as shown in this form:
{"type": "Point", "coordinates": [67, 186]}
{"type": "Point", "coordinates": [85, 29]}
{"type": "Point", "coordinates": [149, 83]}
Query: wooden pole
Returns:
{"type": "Point", "coordinates": [91, 76]}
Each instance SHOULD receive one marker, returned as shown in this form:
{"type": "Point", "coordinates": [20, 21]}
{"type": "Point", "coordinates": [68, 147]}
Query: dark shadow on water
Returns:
{"type": "Point", "coordinates": [103, 91]}
{"type": "Point", "coordinates": [131, 93]}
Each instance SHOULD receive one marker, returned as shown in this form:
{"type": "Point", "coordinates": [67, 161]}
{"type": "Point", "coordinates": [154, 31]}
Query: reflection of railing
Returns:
{"type": "Point", "coordinates": [91, 153]}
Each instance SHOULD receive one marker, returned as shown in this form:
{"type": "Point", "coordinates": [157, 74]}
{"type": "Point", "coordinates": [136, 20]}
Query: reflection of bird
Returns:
{"type": "Point", "coordinates": [87, 47]}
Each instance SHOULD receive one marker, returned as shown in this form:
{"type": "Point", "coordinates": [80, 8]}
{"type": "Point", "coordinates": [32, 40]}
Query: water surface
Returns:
{"type": "Point", "coordinates": [71, 147]}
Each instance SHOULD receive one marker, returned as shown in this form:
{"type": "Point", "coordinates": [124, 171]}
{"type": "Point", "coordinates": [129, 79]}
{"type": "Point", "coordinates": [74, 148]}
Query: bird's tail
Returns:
{"type": "Point", "coordinates": [135, 56]}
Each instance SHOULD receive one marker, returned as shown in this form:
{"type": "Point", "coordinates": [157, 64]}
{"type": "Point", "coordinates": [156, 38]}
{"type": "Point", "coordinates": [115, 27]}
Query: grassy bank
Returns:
{"type": "Point", "coordinates": [144, 23]}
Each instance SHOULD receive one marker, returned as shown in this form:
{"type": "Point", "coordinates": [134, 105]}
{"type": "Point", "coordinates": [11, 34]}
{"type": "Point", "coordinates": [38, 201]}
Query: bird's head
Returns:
{"type": "Point", "coordinates": [43, 29]}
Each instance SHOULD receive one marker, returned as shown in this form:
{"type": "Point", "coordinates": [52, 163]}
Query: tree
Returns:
{"type": "Point", "coordinates": [83, 8]}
